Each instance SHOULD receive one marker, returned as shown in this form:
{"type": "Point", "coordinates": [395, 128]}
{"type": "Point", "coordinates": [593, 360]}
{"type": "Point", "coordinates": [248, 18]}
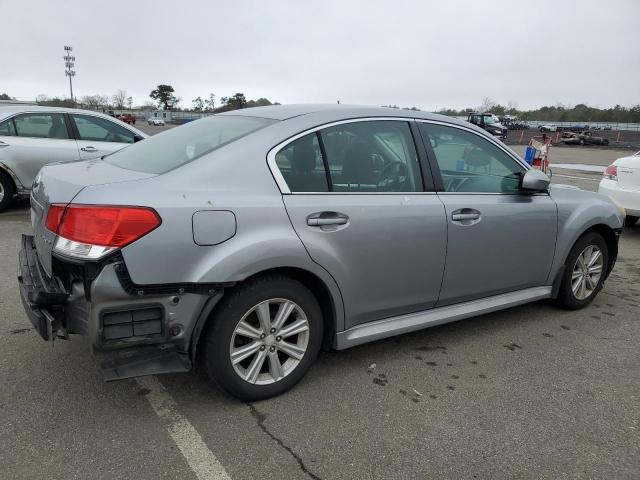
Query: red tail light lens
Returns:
{"type": "Point", "coordinates": [611, 172]}
{"type": "Point", "coordinates": [54, 217]}
{"type": "Point", "coordinates": [110, 226]}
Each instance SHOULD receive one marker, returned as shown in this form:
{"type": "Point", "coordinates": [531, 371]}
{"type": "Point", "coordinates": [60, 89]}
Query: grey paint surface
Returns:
{"type": "Point", "coordinates": [211, 227]}
{"type": "Point", "coordinates": [511, 247]}
{"type": "Point", "coordinates": [388, 261]}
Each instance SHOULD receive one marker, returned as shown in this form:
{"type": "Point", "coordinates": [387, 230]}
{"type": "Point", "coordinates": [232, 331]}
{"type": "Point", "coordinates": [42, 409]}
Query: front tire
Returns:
{"type": "Point", "coordinates": [7, 191]}
{"type": "Point", "coordinates": [263, 338]}
{"type": "Point", "coordinates": [585, 272]}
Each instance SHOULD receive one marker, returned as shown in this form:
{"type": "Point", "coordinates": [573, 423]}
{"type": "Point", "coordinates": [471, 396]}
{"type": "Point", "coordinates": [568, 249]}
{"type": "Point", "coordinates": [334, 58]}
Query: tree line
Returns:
{"type": "Point", "coordinates": [165, 98]}
{"type": "Point", "coordinates": [556, 113]}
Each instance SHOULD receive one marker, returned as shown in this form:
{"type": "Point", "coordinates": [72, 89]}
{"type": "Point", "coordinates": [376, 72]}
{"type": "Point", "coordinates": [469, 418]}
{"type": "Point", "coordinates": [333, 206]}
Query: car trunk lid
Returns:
{"type": "Point", "coordinates": [61, 183]}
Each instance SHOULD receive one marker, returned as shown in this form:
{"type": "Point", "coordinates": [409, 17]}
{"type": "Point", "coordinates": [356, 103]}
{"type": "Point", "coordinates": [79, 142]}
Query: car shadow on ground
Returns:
{"type": "Point", "coordinates": [17, 210]}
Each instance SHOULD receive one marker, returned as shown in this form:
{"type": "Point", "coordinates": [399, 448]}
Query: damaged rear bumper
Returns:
{"type": "Point", "coordinates": [133, 332]}
{"type": "Point", "coordinates": [40, 294]}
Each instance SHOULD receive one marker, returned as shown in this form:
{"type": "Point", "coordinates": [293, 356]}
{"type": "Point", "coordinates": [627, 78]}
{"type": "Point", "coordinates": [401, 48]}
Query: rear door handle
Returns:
{"type": "Point", "coordinates": [3, 144]}
{"type": "Point", "coordinates": [89, 149]}
{"type": "Point", "coordinates": [465, 214]}
{"type": "Point", "coordinates": [327, 218]}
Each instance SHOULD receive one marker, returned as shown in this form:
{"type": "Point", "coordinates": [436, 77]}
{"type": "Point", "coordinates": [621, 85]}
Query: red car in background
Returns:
{"type": "Point", "coordinates": [128, 118]}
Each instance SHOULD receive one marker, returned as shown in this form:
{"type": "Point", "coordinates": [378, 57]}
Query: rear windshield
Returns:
{"type": "Point", "coordinates": [175, 147]}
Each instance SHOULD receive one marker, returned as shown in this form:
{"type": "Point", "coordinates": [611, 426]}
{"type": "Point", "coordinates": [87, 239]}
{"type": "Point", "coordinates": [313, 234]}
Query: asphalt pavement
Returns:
{"type": "Point", "coordinates": [531, 392]}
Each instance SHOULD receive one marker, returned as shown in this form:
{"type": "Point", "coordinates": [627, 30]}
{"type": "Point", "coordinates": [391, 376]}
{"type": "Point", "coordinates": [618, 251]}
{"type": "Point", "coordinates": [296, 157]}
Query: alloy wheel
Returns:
{"type": "Point", "coordinates": [1, 192]}
{"type": "Point", "coordinates": [269, 341]}
{"type": "Point", "coordinates": [587, 272]}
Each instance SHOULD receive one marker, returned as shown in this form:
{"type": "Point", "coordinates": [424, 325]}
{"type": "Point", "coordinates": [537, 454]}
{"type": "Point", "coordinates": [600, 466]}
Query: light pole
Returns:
{"type": "Point", "coordinates": [69, 72]}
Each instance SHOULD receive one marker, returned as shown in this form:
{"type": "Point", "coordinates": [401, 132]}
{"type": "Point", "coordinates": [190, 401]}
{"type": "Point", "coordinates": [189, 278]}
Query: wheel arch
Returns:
{"type": "Point", "coordinates": [4, 169]}
{"type": "Point", "coordinates": [610, 238]}
{"type": "Point", "coordinates": [332, 307]}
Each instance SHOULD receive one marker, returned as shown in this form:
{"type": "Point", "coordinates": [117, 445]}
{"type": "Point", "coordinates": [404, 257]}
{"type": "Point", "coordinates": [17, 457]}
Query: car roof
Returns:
{"type": "Point", "coordinates": [6, 110]}
{"type": "Point", "coordinates": [338, 112]}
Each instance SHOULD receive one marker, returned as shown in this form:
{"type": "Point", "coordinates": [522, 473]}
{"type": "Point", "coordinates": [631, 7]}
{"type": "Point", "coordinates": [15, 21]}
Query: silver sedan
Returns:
{"type": "Point", "coordinates": [31, 137]}
{"type": "Point", "coordinates": [247, 241]}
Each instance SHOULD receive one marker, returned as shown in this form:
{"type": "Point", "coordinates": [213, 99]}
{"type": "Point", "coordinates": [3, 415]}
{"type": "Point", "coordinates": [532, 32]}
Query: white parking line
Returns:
{"type": "Point", "coordinates": [577, 178]}
{"type": "Point", "coordinates": [201, 460]}
{"type": "Point", "coordinates": [579, 166]}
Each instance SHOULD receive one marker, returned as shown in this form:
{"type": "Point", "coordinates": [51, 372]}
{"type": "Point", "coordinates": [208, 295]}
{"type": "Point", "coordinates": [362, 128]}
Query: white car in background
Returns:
{"type": "Point", "coordinates": [32, 136]}
{"type": "Point", "coordinates": [621, 181]}
{"type": "Point", "coordinates": [155, 121]}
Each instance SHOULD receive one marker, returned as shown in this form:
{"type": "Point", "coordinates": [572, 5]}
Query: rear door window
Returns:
{"type": "Point", "coordinates": [373, 156]}
{"type": "Point", "coordinates": [302, 166]}
{"type": "Point", "coordinates": [97, 129]}
{"type": "Point", "coordinates": [37, 125]}
{"type": "Point", "coordinates": [354, 157]}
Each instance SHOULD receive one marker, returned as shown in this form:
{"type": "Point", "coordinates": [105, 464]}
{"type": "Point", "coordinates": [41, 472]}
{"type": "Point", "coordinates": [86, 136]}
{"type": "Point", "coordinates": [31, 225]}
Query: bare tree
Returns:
{"type": "Point", "coordinates": [95, 101]}
{"type": "Point", "coordinates": [119, 99]}
{"type": "Point", "coordinates": [129, 102]}
{"type": "Point", "coordinates": [198, 104]}
{"type": "Point", "coordinates": [487, 104]}
{"type": "Point", "coordinates": [211, 102]}
{"type": "Point", "coordinates": [42, 98]}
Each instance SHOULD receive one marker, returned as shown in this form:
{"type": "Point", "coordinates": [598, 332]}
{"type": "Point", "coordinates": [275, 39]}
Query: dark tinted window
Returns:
{"type": "Point", "coordinates": [375, 156]}
{"type": "Point", "coordinates": [302, 166]}
{"type": "Point", "coordinates": [99, 129]}
{"type": "Point", "coordinates": [172, 148]}
{"type": "Point", "coordinates": [37, 125]}
{"type": "Point", "coordinates": [7, 128]}
{"type": "Point", "coordinates": [470, 163]}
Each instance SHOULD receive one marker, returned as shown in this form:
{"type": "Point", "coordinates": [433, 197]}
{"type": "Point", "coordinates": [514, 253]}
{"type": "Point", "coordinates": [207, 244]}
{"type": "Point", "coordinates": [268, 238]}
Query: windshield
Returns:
{"type": "Point", "coordinates": [173, 148]}
{"type": "Point", "coordinates": [491, 119]}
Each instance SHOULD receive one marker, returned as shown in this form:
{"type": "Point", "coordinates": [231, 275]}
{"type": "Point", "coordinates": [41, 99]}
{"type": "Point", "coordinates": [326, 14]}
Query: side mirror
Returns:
{"type": "Point", "coordinates": [535, 181]}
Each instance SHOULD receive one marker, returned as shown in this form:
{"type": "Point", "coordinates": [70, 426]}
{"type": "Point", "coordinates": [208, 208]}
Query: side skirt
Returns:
{"type": "Point", "coordinates": [389, 327]}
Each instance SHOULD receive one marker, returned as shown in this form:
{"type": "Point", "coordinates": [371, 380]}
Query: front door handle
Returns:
{"type": "Point", "coordinates": [465, 215]}
{"type": "Point", "coordinates": [89, 149]}
{"type": "Point", "coordinates": [3, 144]}
{"type": "Point", "coordinates": [326, 218]}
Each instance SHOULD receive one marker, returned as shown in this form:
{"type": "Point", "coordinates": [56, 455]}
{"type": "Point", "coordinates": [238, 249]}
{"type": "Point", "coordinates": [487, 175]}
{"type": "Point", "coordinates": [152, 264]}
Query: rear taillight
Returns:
{"type": "Point", "coordinates": [54, 217]}
{"type": "Point", "coordinates": [92, 231]}
{"type": "Point", "coordinates": [611, 173]}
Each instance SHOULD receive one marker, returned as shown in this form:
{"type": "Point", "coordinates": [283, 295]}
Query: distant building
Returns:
{"type": "Point", "coordinates": [166, 115]}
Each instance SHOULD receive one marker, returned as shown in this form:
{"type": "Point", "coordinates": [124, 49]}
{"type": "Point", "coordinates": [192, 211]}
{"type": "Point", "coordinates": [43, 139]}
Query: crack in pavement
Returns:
{"type": "Point", "coordinates": [20, 330]}
{"type": "Point", "coordinates": [260, 418]}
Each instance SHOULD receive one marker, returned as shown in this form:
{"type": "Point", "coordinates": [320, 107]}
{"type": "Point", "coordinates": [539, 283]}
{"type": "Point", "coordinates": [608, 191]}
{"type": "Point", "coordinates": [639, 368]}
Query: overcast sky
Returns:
{"type": "Point", "coordinates": [409, 53]}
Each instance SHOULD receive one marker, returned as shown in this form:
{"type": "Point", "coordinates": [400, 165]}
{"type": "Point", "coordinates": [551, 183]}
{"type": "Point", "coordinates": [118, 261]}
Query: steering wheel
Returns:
{"type": "Point", "coordinates": [384, 173]}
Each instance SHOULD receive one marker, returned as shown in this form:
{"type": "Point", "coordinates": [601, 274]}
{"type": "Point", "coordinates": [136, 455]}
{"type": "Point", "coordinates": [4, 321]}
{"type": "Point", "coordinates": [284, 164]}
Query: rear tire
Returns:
{"type": "Point", "coordinates": [585, 272]}
{"type": "Point", "coordinates": [7, 191]}
{"type": "Point", "coordinates": [630, 220]}
{"type": "Point", "coordinates": [269, 359]}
